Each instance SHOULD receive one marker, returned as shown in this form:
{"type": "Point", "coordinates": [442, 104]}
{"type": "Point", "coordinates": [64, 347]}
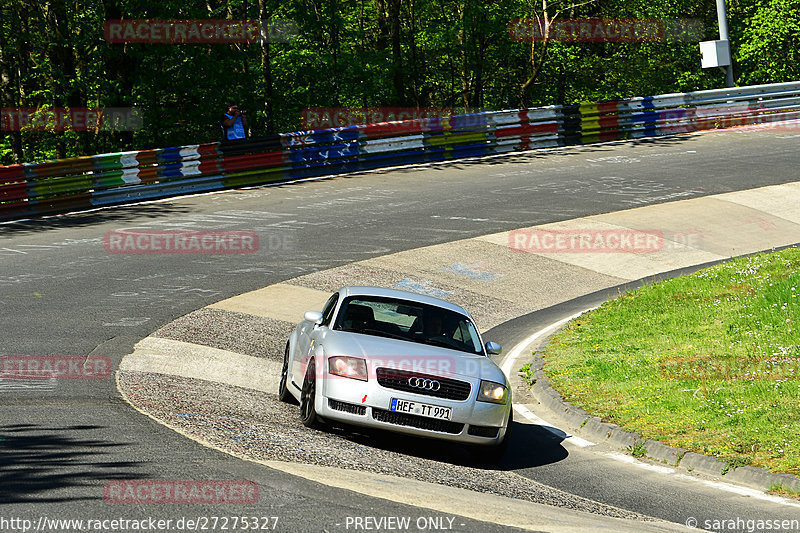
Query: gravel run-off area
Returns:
{"type": "Point", "coordinates": [257, 426]}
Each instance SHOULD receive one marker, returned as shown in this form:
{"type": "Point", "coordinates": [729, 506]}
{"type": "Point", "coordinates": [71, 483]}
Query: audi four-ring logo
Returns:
{"type": "Point", "coordinates": [427, 384]}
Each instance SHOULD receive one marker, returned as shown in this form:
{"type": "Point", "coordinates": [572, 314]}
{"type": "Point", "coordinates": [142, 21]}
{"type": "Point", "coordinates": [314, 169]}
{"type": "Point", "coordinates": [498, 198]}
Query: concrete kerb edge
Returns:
{"type": "Point", "coordinates": [592, 427]}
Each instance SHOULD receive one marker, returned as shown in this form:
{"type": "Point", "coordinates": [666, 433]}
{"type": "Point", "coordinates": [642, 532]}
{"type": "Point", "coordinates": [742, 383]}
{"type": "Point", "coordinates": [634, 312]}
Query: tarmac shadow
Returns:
{"type": "Point", "coordinates": [531, 445]}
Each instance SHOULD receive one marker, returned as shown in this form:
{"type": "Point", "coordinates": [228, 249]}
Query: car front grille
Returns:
{"type": "Point", "coordinates": [451, 389]}
{"type": "Point", "coordinates": [351, 408]}
{"type": "Point", "coordinates": [419, 422]}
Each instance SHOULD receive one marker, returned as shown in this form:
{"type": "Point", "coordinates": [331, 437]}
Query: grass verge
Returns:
{"type": "Point", "coordinates": [784, 491]}
{"type": "Point", "coordinates": [708, 362]}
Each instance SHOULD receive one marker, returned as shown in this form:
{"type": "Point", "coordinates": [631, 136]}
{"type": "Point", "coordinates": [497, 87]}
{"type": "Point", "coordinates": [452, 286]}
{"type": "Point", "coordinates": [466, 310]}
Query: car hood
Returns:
{"type": "Point", "coordinates": [407, 355]}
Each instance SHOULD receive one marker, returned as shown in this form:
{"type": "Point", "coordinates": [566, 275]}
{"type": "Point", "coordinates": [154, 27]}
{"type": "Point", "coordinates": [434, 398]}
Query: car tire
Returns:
{"type": "Point", "coordinates": [498, 451]}
{"type": "Point", "coordinates": [308, 397]}
{"type": "Point", "coordinates": [283, 387]}
{"type": "Point", "coordinates": [494, 454]}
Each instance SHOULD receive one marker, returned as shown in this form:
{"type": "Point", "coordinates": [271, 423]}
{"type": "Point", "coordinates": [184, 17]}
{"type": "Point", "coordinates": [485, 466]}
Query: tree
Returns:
{"type": "Point", "coordinates": [769, 48]}
{"type": "Point", "coordinates": [357, 53]}
{"type": "Point", "coordinates": [540, 33]}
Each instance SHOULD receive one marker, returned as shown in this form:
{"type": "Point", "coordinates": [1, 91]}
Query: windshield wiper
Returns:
{"type": "Point", "coordinates": [376, 332]}
{"type": "Point", "coordinates": [441, 344]}
{"type": "Point", "coordinates": [384, 334]}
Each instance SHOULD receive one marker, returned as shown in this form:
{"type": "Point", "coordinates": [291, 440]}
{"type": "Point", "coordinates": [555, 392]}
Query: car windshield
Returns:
{"type": "Point", "coordinates": [409, 321]}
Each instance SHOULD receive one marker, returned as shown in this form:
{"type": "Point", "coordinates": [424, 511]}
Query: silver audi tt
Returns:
{"type": "Point", "coordinates": [400, 361]}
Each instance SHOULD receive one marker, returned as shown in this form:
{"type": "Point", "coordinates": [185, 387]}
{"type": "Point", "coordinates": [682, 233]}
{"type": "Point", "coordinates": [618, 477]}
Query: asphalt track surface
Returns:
{"type": "Point", "coordinates": [62, 294]}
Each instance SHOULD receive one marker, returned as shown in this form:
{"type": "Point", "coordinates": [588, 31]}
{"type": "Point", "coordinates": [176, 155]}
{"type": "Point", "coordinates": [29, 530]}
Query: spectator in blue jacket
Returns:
{"type": "Point", "coordinates": [234, 124]}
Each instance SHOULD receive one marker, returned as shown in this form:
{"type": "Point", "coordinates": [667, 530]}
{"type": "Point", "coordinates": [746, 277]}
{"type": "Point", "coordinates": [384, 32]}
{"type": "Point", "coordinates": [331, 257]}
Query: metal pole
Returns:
{"type": "Point", "coordinates": [722, 18]}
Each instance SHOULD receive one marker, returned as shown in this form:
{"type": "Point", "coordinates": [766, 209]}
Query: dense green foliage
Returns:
{"type": "Point", "coordinates": [352, 53]}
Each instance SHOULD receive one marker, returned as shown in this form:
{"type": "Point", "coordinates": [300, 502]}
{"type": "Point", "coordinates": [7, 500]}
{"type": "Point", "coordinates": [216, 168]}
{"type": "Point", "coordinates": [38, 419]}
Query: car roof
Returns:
{"type": "Point", "coordinates": [402, 295]}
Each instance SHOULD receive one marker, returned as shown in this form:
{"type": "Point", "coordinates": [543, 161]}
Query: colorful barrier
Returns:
{"type": "Point", "coordinates": [33, 189]}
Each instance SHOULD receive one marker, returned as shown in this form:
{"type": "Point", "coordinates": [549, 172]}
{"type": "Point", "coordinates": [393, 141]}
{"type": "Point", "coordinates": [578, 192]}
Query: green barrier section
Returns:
{"type": "Point", "coordinates": [59, 186]}
{"type": "Point", "coordinates": [447, 139]}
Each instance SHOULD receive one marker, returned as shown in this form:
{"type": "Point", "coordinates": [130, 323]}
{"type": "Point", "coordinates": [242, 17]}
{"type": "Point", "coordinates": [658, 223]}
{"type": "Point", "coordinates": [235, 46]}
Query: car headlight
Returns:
{"type": "Point", "coordinates": [492, 392]}
{"type": "Point", "coordinates": [348, 367]}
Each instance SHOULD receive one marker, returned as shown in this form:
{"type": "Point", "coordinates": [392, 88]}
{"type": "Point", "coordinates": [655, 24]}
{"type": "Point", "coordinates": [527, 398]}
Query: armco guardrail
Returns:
{"type": "Point", "coordinates": [32, 189]}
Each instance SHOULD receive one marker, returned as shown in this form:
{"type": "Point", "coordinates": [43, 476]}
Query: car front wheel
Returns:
{"type": "Point", "coordinates": [498, 451]}
{"type": "Point", "coordinates": [308, 397]}
{"type": "Point", "coordinates": [283, 389]}
{"type": "Point", "coordinates": [494, 454]}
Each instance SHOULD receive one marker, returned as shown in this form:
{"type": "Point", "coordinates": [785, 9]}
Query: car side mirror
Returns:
{"type": "Point", "coordinates": [492, 348]}
{"type": "Point", "coordinates": [313, 316]}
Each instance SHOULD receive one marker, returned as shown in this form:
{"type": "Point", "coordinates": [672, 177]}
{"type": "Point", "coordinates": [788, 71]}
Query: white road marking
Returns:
{"type": "Point", "coordinates": [512, 356]}
{"type": "Point", "coordinates": [742, 491]}
{"type": "Point", "coordinates": [461, 218]}
{"type": "Point", "coordinates": [129, 322]}
{"type": "Point", "coordinates": [572, 439]}
{"type": "Point", "coordinates": [632, 461]}
{"type": "Point", "coordinates": [35, 385]}
{"type": "Point", "coordinates": [508, 365]}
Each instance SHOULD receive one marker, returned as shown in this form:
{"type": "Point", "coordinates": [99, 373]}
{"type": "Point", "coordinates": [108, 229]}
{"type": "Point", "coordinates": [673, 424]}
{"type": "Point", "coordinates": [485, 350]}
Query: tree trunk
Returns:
{"type": "Point", "coordinates": [266, 67]}
{"type": "Point", "coordinates": [536, 60]}
{"type": "Point", "coordinates": [382, 41]}
{"type": "Point", "coordinates": [397, 60]}
{"type": "Point", "coordinates": [335, 45]}
{"type": "Point", "coordinates": [121, 67]}
{"type": "Point", "coordinates": [476, 100]}
{"type": "Point", "coordinates": [9, 81]}
{"type": "Point", "coordinates": [66, 91]}
{"type": "Point", "coordinates": [462, 46]}
{"type": "Point", "coordinates": [414, 62]}
{"type": "Point", "coordinates": [20, 75]}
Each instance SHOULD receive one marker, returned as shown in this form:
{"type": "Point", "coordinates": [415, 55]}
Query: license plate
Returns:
{"type": "Point", "coordinates": [421, 409]}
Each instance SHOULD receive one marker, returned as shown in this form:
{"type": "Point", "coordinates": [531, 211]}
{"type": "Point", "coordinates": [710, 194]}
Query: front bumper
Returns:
{"type": "Point", "coordinates": [366, 404]}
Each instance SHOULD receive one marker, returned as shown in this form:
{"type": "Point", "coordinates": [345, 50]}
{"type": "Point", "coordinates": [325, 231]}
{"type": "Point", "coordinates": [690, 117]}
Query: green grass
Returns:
{"type": "Point", "coordinates": [708, 362]}
{"type": "Point", "coordinates": [526, 373]}
{"type": "Point", "coordinates": [784, 491]}
{"type": "Point", "coordinates": [638, 449]}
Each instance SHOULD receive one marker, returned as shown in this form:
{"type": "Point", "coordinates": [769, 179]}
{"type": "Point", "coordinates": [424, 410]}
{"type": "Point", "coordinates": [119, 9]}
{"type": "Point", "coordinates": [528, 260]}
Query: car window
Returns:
{"type": "Point", "coordinates": [327, 311]}
{"type": "Point", "coordinates": [410, 321]}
